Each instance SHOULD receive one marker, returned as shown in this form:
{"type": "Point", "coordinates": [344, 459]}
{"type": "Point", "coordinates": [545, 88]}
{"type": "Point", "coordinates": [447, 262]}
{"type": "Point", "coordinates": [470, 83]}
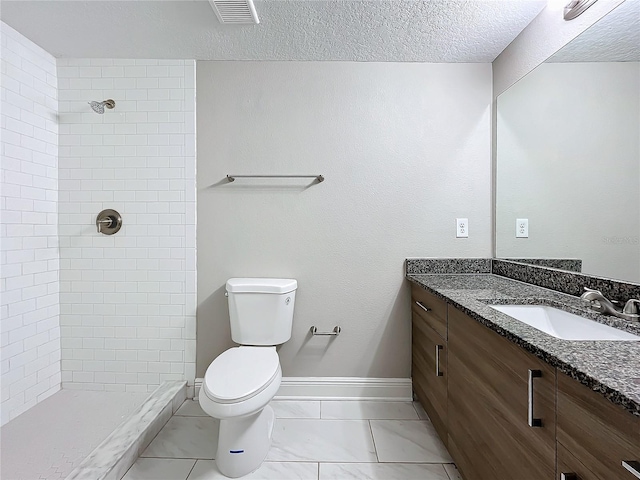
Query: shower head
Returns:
{"type": "Point", "coordinates": [98, 107]}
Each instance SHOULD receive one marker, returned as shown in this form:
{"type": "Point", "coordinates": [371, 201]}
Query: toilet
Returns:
{"type": "Point", "coordinates": [240, 382]}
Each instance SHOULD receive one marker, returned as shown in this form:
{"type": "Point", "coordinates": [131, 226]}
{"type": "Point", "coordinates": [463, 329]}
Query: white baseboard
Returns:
{"type": "Point", "coordinates": [345, 388]}
{"type": "Point", "coordinates": [196, 387]}
{"type": "Point", "coordinates": [340, 388]}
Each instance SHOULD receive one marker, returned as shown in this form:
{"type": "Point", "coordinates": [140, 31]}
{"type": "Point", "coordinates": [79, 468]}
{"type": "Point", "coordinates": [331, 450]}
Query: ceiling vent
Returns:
{"type": "Point", "coordinates": [235, 11]}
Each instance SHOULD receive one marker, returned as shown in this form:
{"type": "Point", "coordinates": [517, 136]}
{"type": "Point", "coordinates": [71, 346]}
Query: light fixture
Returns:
{"type": "Point", "coordinates": [576, 7]}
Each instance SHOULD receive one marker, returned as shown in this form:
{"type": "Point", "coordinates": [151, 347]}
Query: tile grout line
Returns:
{"type": "Point", "coordinates": [373, 439]}
{"type": "Point", "coordinates": [192, 467]}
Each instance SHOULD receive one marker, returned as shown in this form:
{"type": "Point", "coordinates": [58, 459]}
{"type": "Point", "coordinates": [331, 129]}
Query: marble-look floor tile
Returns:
{"type": "Point", "coordinates": [422, 415]}
{"type": "Point", "coordinates": [185, 437]}
{"type": "Point", "coordinates": [382, 471]}
{"type": "Point", "coordinates": [408, 441]}
{"type": "Point", "coordinates": [452, 471]}
{"type": "Point", "coordinates": [368, 410]}
{"type": "Point", "coordinates": [295, 409]}
{"type": "Point", "coordinates": [322, 441]}
{"type": "Point", "coordinates": [208, 470]}
{"type": "Point", "coordinates": [159, 469]}
{"type": "Point", "coordinates": [191, 408]}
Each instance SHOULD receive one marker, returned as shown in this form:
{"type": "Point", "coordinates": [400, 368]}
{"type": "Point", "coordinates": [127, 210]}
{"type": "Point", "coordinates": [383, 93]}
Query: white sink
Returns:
{"type": "Point", "coordinates": [564, 325]}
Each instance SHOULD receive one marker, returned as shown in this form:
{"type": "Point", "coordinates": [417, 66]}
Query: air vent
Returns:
{"type": "Point", "coordinates": [235, 11]}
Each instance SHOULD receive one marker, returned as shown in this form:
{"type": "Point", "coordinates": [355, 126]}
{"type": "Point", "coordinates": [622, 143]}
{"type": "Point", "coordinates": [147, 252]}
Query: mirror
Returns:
{"type": "Point", "coordinates": [568, 153]}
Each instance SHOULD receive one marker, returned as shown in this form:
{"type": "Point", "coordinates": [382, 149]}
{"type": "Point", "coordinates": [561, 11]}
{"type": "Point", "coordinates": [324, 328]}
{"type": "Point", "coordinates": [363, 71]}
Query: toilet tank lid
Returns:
{"type": "Point", "coordinates": [261, 285]}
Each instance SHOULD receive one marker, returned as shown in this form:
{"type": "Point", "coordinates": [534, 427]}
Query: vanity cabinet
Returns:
{"type": "Point", "coordinates": [501, 410]}
{"type": "Point", "coordinates": [594, 435]}
{"type": "Point", "coordinates": [429, 356]}
{"type": "Point", "coordinates": [505, 414]}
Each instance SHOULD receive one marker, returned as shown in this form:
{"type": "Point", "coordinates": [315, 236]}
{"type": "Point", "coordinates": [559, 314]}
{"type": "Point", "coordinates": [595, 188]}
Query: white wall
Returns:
{"type": "Point", "coordinates": [569, 161]}
{"type": "Point", "coordinates": [29, 250]}
{"type": "Point", "coordinates": [127, 300]}
{"type": "Point", "coordinates": [405, 149]}
{"type": "Point", "coordinates": [543, 37]}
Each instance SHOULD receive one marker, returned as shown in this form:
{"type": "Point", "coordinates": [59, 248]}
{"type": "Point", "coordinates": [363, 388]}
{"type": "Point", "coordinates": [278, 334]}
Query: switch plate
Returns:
{"type": "Point", "coordinates": [462, 227]}
{"type": "Point", "coordinates": [522, 228]}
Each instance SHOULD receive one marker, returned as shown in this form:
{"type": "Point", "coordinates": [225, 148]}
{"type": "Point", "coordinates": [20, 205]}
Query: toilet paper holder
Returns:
{"type": "Point", "coordinates": [335, 332]}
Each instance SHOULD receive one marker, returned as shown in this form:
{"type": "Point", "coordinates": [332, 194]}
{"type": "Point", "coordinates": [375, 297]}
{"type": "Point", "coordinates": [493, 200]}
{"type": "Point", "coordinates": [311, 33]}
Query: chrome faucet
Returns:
{"type": "Point", "coordinates": [601, 304]}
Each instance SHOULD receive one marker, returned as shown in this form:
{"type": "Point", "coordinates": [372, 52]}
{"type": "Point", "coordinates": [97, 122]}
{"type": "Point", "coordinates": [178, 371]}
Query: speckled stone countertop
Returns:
{"type": "Point", "coordinates": [609, 367]}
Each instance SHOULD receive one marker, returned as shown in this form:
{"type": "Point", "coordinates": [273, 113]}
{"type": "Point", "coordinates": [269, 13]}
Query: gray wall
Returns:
{"type": "Point", "coordinates": [405, 149]}
{"type": "Point", "coordinates": [569, 161]}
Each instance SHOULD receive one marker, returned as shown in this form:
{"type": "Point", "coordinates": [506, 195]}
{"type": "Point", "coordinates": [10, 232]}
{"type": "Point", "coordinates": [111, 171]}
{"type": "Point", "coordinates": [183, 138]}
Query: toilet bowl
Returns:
{"type": "Point", "coordinates": [240, 382]}
{"type": "Point", "coordinates": [237, 389]}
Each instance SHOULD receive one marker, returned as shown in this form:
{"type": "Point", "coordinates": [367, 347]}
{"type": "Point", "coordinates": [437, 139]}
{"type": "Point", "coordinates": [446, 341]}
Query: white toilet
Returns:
{"type": "Point", "coordinates": [240, 382]}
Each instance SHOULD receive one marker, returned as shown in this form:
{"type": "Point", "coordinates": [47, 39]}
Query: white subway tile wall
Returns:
{"type": "Point", "coordinates": [29, 259]}
{"type": "Point", "coordinates": [128, 301]}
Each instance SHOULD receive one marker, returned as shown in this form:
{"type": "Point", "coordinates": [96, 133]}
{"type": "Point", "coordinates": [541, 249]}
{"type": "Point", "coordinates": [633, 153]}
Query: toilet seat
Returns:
{"type": "Point", "coordinates": [241, 373]}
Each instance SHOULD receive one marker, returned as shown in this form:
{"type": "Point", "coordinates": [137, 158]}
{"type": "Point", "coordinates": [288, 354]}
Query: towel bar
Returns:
{"type": "Point", "coordinates": [232, 178]}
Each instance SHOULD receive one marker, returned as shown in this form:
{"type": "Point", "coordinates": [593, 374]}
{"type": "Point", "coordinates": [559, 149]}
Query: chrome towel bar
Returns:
{"type": "Point", "coordinates": [232, 178]}
{"type": "Point", "coordinates": [336, 331]}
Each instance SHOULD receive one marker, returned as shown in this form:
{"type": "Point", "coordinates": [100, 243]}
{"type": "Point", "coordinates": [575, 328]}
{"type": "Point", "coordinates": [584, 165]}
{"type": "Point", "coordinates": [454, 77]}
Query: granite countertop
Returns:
{"type": "Point", "coordinates": [609, 367]}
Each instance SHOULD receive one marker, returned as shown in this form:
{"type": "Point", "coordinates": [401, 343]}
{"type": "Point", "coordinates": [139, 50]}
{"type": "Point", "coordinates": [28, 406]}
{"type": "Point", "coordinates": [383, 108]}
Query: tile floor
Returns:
{"type": "Point", "coordinates": [311, 441]}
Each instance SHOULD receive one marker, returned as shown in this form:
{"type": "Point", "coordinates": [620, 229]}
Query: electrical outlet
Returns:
{"type": "Point", "coordinates": [522, 228]}
{"type": "Point", "coordinates": [462, 227]}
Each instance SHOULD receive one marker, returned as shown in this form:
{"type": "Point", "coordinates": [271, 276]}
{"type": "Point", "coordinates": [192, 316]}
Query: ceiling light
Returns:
{"type": "Point", "coordinates": [576, 8]}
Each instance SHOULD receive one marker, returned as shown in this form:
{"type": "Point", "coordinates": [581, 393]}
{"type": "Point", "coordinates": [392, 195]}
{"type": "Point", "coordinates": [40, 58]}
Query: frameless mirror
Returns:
{"type": "Point", "coordinates": [568, 153]}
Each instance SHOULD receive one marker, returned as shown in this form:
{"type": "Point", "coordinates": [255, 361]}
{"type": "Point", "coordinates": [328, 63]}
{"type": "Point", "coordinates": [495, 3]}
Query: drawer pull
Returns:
{"type": "Point", "coordinates": [438, 372]}
{"type": "Point", "coordinates": [632, 466]}
{"type": "Point", "coordinates": [568, 476]}
{"type": "Point", "coordinates": [426, 309]}
{"type": "Point", "coordinates": [533, 422]}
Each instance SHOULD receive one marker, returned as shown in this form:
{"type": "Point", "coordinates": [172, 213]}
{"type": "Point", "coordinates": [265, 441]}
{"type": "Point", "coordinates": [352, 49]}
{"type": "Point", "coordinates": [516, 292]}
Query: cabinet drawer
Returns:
{"type": "Point", "coordinates": [430, 308]}
{"type": "Point", "coordinates": [429, 374]}
{"type": "Point", "coordinates": [598, 433]}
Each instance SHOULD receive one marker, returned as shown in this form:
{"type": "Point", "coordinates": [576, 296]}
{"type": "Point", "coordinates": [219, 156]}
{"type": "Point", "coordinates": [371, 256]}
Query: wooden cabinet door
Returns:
{"type": "Point", "coordinates": [598, 433]}
{"type": "Point", "coordinates": [429, 372]}
{"type": "Point", "coordinates": [489, 433]}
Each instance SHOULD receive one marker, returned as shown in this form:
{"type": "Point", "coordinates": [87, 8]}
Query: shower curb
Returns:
{"type": "Point", "coordinates": [114, 456]}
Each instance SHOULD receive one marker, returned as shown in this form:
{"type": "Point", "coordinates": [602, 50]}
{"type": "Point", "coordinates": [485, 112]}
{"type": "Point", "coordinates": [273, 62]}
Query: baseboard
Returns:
{"type": "Point", "coordinates": [196, 387]}
{"type": "Point", "coordinates": [340, 388]}
{"type": "Point", "coordinates": [345, 388]}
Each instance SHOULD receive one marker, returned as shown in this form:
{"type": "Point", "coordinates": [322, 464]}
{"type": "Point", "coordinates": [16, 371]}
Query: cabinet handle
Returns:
{"type": "Point", "coordinates": [533, 422]}
{"type": "Point", "coordinates": [568, 476]}
{"type": "Point", "coordinates": [426, 309]}
{"type": "Point", "coordinates": [632, 466]}
{"type": "Point", "coordinates": [438, 372]}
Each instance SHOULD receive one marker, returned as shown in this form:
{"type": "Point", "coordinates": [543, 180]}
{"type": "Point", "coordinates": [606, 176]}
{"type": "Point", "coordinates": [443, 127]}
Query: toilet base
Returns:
{"type": "Point", "coordinates": [243, 443]}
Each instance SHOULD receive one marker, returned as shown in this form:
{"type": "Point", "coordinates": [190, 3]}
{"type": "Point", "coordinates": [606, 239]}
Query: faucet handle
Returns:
{"type": "Point", "coordinates": [632, 306]}
{"type": "Point", "coordinates": [587, 289]}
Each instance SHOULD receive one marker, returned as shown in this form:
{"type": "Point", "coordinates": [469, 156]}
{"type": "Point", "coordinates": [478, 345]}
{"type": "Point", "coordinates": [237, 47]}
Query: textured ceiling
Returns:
{"type": "Point", "coordinates": [397, 30]}
{"type": "Point", "coordinates": [615, 38]}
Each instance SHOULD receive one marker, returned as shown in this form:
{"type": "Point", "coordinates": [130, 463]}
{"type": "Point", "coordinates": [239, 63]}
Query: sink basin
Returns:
{"type": "Point", "coordinates": [564, 325]}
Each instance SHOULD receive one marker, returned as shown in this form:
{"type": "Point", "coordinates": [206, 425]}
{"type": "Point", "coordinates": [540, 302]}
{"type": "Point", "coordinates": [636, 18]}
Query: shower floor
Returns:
{"type": "Point", "coordinates": [49, 440]}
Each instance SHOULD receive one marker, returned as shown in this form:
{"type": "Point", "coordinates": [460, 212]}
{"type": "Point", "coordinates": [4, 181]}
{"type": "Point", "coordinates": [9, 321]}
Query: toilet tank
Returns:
{"type": "Point", "coordinates": [261, 309]}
